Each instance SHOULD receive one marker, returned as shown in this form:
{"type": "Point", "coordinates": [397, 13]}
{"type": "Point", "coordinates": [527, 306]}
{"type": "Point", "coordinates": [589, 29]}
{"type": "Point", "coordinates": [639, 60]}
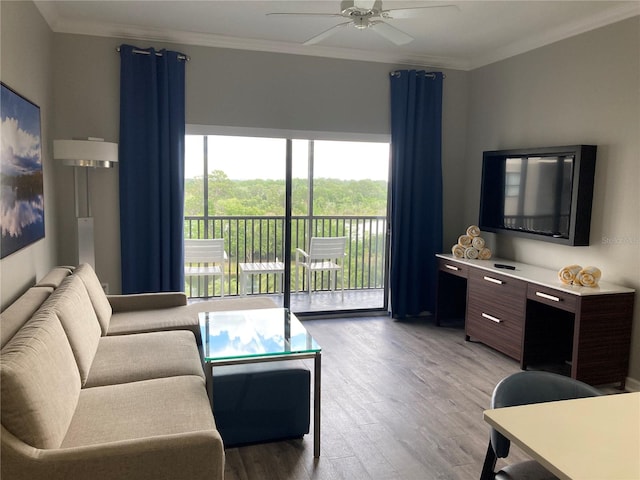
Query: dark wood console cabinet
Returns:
{"type": "Point", "coordinates": [529, 315]}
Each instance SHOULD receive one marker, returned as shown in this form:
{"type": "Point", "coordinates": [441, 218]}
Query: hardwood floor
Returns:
{"type": "Point", "coordinates": [400, 400]}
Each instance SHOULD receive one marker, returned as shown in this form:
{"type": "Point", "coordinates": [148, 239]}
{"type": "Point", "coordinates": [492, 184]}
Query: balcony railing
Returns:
{"type": "Point", "coordinates": [260, 239]}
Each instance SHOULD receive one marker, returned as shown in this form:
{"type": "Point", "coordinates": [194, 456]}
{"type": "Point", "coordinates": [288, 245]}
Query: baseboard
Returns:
{"type": "Point", "coordinates": [632, 385]}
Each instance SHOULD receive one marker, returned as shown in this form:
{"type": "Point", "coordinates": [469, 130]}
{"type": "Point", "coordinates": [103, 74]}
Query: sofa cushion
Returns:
{"type": "Point", "coordinates": [177, 318]}
{"type": "Point", "coordinates": [54, 277]}
{"type": "Point", "coordinates": [161, 319]}
{"type": "Point", "coordinates": [163, 406]}
{"type": "Point", "coordinates": [39, 382]}
{"type": "Point", "coordinates": [71, 303]}
{"type": "Point", "coordinates": [98, 298]}
{"type": "Point", "coordinates": [143, 356]}
{"type": "Point", "coordinates": [146, 301]}
{"type": "Point", "coordinates": [20, 311]}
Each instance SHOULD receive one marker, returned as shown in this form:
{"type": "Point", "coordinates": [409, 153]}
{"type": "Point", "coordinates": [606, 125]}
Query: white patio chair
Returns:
{"type": "Point", "coordinates": [205, 257]}
{"type": "Point", "coordinates": [326, 254]}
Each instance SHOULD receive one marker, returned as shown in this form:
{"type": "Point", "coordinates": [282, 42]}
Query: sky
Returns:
{"type": "Point", "coordinates": [243, 158]}
{"type": "Point", "coordinates": [21, 219]}
{"type": "Point", "coordinates": [20, 127]}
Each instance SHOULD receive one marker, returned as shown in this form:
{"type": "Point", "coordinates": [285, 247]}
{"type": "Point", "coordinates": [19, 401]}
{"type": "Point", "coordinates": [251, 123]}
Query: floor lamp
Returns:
{"type": "Point", "coordinates": [84, 155]}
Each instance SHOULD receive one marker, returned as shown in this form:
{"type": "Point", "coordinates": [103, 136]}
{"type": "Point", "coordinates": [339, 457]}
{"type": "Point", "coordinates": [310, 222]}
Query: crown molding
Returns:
{"type": "Point", "coordinates": [220, 41]}
{"type": "Point", "coordinates": [62, 25]}
{"type": "Point", "coordinates": [561, 33]}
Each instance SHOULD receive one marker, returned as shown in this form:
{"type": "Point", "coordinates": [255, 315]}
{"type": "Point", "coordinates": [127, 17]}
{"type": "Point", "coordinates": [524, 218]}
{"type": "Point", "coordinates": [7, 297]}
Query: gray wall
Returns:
{"type": "Point", "coordinates": [227, 88]}
{"type": "Point", "coordinates": [581, 90]}
{"type": "Point", "coordinates": [26, 66]}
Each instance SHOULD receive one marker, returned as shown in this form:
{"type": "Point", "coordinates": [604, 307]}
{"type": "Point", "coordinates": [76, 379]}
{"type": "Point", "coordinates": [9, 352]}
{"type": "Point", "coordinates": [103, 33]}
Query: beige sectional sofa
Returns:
{"type": "Point", "coordinates": [104, 387]}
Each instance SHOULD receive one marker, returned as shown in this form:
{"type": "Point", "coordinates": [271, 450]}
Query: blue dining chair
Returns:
{"type": "Point", "coordinates": [524, 388]}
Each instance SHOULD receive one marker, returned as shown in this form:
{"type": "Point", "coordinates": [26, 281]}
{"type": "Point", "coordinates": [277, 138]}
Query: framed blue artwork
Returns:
{"type": "Point", "coordinates": [22, 199]}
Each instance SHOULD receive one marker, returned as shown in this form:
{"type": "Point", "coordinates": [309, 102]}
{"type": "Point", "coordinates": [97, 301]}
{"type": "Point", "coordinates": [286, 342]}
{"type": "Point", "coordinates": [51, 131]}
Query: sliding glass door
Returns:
{"type": "Point", "coordinates": [236, 189]}
{"type": "Point", "coordinates": [340, 190]}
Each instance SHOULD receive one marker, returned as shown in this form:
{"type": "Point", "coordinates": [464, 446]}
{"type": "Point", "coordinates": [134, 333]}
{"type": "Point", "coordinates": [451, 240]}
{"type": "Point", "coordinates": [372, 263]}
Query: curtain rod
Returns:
{"type": "Point", "coordinates": [396, 73]}
{"type": "Point", "coordinates": [181, 56]}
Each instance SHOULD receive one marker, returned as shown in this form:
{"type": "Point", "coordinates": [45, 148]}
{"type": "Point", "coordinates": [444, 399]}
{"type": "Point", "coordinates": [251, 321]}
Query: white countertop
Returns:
{"type": "Point", "coordinates": [538, 275]}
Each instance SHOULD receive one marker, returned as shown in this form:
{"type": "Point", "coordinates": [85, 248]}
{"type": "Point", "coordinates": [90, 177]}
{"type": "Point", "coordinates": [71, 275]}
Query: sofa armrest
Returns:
{"type": "Point", "coordinates": [146, 301]}
{"type": "Point", "coordinates": [193, 455]}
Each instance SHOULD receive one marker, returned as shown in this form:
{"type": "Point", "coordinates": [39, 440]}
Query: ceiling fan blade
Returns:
{"type": "Point", "coordinates": [391, 33]}
{"type": "Point", "coordinates": [300, 14]}
{"type": "Point", "coordinates": [364, 5]}
{"type": "Point", "coordinates": [326, 33]}
{"type": "Point", "coordinates": [398, 13]}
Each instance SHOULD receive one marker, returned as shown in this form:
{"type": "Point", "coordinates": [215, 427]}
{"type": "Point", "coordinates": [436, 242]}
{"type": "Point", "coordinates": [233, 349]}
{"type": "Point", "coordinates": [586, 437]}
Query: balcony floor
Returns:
{"type": "Point", "coordinates": [332, 301]}
{"type": "Point", "coordinates": [326, 301]}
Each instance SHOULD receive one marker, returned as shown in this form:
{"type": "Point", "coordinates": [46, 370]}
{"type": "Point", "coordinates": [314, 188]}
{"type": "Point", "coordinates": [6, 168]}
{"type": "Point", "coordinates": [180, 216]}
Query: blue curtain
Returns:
{"type": "Point", "coordinates": [152, 129]}
{"type": "Point", "coordinates": [416, 190]}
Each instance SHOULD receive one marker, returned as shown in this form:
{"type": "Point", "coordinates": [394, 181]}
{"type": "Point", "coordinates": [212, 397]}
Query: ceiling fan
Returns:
{"type": "Point", "coordinates": [363, 14]}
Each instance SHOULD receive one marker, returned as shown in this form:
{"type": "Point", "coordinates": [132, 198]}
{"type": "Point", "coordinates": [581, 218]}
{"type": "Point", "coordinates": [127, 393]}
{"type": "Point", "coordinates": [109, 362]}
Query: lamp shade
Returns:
{"type": "Point", "coordinates": [86, 153]}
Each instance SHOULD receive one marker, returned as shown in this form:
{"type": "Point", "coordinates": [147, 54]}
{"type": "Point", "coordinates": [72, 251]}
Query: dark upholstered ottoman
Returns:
{"type": "Point", "coordinates": [260, 402]}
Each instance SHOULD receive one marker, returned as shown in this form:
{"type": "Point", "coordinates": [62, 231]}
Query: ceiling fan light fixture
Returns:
{"type": "Point", "coordinates": [361, 23]}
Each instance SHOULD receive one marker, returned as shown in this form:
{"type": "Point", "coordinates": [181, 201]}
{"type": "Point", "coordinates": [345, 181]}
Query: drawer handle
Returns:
{"type": "Point", "coordinates": [493, 280]}
{"type": "Point", "coordinates": [491, 317]}
{"type": "Point", "coordinates": [548, 297]}
{"type": "Point", "coordinates": [451, 267]}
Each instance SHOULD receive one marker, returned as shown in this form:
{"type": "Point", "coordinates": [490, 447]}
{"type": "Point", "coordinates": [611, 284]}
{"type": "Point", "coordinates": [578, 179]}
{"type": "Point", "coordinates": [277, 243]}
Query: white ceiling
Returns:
{"type": "Point", "coordinates": [475, 33]}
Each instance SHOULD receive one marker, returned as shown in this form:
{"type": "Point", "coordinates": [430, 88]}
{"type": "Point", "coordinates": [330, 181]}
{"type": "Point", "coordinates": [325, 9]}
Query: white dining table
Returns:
{"type": "Point", "coordinates": [595, 438]}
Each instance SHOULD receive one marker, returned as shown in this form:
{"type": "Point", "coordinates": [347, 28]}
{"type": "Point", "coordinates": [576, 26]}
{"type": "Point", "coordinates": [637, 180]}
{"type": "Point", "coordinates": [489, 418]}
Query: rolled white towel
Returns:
{"type": "Point", "coordinates": [471, 253]}
{"type": "Point", "coordinates": [458, 251]}
{"type": "Point", "coordinates": [484, 254]}
{"type": "Point", "coordinates": [478, 243]}
{"type": "Point", "coordinates": [465, 240]}
{"type": "Point", "coordinates": [588, 277]}
{"type": "Point", "coordinates": [473, 231]}
{"type": "Point", "coordinates": [567, 275]}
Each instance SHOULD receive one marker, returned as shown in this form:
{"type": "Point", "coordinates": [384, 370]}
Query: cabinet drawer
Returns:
{"type": "Point", "coordinates": [497, 324]}
{"type": "Point", "coordinates": [552, 297]}
{"type": "Point", "coordinates": [495, 287]}
{"type": "Point", "coordinates": [495, 311]}
{"type": "Point", "coordinates": [454, 268]}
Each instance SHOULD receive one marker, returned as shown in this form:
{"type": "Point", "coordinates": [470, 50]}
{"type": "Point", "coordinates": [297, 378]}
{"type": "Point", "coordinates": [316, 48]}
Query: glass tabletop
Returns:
{"type": "Point", "coordinates": [241, 334]}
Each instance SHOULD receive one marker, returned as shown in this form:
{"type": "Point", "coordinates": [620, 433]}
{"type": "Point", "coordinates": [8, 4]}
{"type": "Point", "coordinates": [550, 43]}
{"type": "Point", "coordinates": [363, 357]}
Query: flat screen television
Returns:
{"type": "Point", "coordinates": [540, 193]}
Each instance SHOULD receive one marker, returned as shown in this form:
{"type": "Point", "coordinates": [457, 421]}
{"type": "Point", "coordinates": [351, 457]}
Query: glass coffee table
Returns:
{"type": "Point", "coordinates": [262, 335]}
